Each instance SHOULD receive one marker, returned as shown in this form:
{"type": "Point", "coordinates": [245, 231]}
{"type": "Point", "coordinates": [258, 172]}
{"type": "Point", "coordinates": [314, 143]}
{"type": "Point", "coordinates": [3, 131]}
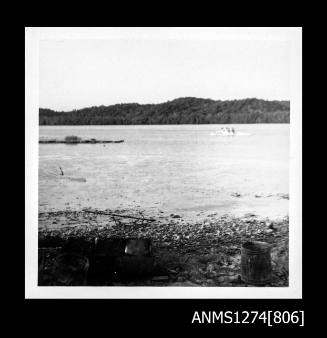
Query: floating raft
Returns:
{"type": "Point", "coordinates": [92, 141]}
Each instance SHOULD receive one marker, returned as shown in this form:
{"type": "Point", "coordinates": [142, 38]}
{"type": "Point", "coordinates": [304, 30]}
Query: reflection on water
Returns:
{"type": "Point", "coordinates": [178, 169]}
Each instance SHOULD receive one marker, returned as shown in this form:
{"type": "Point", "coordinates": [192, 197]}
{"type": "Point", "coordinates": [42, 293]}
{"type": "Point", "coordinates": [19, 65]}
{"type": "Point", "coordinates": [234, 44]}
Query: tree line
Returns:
{"type": "Point", "coordinates": [188, 110]}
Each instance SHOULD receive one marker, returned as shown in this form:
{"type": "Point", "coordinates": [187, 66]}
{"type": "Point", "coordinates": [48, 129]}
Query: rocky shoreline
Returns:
{"type": "Point", "coordinates": [204, 252]}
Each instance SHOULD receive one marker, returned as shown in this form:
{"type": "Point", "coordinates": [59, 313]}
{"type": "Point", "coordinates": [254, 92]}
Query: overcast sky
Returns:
{"type": "Point", "coordinates": [83, 73]}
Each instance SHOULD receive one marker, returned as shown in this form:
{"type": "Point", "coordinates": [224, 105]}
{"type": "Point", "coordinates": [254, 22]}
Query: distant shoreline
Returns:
{"type": "Point", "coordinates": [140, 125]}
{"type": "Point", "coordinates": [188, 110]}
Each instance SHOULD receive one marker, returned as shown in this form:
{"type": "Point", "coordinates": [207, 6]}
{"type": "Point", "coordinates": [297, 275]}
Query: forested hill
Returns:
{"type": "Point", "coordinates": [188, 110]}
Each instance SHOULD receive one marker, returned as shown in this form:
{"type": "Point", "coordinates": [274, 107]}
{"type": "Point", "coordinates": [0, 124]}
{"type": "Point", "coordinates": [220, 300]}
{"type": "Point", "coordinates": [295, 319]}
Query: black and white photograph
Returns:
{"type": "Point", "coordinates": [163, 158]}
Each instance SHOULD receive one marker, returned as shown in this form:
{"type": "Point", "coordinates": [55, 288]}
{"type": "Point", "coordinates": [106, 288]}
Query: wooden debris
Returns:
{"type": "Point", "coordinates": [118, 215]}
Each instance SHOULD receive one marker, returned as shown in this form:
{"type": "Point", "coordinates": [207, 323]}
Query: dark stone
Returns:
{"type": "Point", "coordinates": [138, 247]}
{"type": "Point", "coordinates": [103, 270]}
{"type": "Point", "coordinates": [134, 267]}
{"type": "Point", "coordinates": [70, 269]}
{"type": "Point", "coordinates": [110, 246]}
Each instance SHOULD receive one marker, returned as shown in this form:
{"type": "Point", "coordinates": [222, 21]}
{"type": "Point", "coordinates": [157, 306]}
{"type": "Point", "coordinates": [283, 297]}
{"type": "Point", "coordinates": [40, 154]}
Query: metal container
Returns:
{"type": "Point", "coordinates": [256, 263]}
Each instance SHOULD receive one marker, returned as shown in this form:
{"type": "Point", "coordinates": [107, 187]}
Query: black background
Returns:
{"type": "Point", "coordinates": [115, 317]}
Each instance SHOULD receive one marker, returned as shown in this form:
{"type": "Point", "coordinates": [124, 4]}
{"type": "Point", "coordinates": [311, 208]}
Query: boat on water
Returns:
{"type": "Point", "coordinates": [225, 131]}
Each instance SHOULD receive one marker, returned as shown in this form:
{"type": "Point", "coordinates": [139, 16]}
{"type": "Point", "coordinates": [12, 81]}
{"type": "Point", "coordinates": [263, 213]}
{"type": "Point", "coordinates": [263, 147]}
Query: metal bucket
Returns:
{"type": "Point", "coordinates": [256, 263]}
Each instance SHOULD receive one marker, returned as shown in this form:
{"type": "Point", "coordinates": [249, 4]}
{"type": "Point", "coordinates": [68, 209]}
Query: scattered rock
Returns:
{"type": "Point", "coordinates": [210, 268]}
{"type": "Point", "coordinates": [233, 278]}
{"type": "Point", "coordinates": [221, 279]}
{"type": "Point", "coordinates": [186, 283]}
{"type": "Point", "coordinates": [271, 226]}
{"type": "Point", "coordinates": [196, 251]}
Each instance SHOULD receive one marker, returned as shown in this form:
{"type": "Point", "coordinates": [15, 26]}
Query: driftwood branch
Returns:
{"type": "Point", "coordinates": [117, 215]}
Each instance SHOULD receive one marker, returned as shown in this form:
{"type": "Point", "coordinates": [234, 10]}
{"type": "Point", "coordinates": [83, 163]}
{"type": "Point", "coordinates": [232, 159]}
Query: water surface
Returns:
{"type": "Point", "coordinates": [174, 168]}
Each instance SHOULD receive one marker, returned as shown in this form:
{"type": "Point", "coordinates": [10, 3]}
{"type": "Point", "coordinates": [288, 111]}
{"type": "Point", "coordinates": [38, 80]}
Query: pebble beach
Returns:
{"type": "Point", "coordinates": [202, 252]}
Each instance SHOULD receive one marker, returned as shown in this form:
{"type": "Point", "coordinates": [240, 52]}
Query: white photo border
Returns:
{"type": "Point", "coordinates": [33, 35]}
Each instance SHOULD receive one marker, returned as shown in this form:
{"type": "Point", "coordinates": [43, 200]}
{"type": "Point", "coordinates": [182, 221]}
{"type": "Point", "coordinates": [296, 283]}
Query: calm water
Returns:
{"type": "Point", "coordinates": [180, 168]}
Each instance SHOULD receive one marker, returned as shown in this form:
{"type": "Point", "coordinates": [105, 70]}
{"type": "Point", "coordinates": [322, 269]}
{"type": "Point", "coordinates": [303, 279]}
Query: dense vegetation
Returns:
{"type": "Point", "coordinates": [186, 110]}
